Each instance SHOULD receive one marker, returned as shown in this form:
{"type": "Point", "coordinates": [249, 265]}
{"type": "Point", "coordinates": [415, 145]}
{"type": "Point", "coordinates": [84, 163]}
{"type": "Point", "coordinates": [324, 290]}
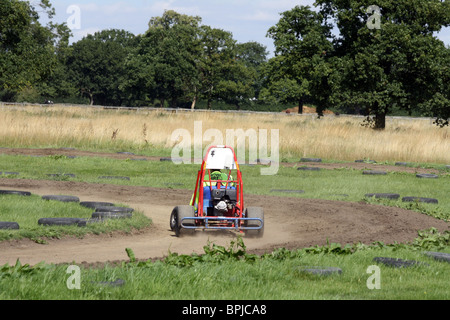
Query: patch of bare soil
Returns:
{"type": "Point", "coordinates": [289, 223]}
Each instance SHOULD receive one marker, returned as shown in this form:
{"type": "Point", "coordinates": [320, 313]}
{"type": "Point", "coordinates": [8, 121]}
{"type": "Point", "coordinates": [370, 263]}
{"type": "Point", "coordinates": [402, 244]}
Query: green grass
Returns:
{"type": "Point", "coordinates": [223, 273]}
{"type": "Point", "coordinates": [233, 274]}
{"type": "Point", "coordinates": [338, 184]}
{"type": "Point", "coordinates": [27, 210]}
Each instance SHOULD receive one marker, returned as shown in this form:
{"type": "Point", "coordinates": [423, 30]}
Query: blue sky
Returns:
{"type": "Point", "coordinates": [248, 20]}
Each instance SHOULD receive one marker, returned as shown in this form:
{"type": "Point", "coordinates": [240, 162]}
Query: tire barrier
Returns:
{"type": "Point", "coordinates": [374, 172]}
{"type": "Point", "coordinates": [308, 168]}
{"type": "Point", "coordinates": [321, 271]}
{"type": "Point", "coordinates": [114, 177]}
{"type": "Point", "coordinates": [95, 204]}
{"type": "Point", "coordinates": [6, 225]}
{"type": "Point", "coordinates": [310, 160]}
{"type": "Point", "coordinates": [419, 199]}
{"type": "Point", "coordinates": [397, 263]}
{"type": "Point", "coordinates": [15, 192]}
{"type": "Point", "coordinates": [365, 161]}
{"type": "Point", "coordinates": [427, 176]}
{"type": "Point", "coordinates": [61, 198]}
{"type": "Point", "coordinates": [393, 196]}
{"type": "Point", "coordinates": [440, 256]}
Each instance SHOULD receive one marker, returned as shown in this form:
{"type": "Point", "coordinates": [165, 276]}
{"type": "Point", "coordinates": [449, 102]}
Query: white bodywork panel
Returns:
{"type": "Point", "coordinates": [220, 158]}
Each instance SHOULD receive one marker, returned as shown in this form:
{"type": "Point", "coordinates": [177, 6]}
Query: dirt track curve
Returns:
{"type": "Point", "coordinates": [289, 223]}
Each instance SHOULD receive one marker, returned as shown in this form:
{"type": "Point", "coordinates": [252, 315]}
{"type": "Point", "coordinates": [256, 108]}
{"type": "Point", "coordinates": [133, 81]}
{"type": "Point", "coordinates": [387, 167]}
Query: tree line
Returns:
{"type": "Point", "coordinates": [355, 56]}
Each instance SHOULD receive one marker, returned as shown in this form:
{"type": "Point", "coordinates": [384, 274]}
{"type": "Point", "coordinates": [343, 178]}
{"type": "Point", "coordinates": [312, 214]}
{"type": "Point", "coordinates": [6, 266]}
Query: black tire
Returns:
{"type": "Point", "coordinates": [393, 196]}
{"type": "Point", "coordinates": [11, 173]}
{"type": "Point", "coordinates": [85, 222]}
{"type": "Point", "coordinates": [61, 198]}
{"type": "Point", "coordinates": [365, 161]}
{"type": "Point", "coordinates": [171, 159]}
{"type": "Point", "coordinates": [60, 221]}
{"type": "Point", "coordinates": [322, 271]}
{"type": "Point", "coordinates": [254, 212]}
{"type": "Point", "coordinates": [173, 219]}
{"type": "Point", "coordinates": [419, 199]}
{"type": "Point", "coordinates": [113, 209]}
{"type": "Point", "coordinates": [181, 212]}
{"type": "Point", "coordinates": [19, 193]}
{"type": "Point", "coordinates": [111, 215]}
{"type": "Point", "coordinates": [374, 172]}
{"type": "Point", "coordinates": [440, 256]}
{"type": "Point", "coordinates": [9, 225]}
{"type": "Point", "coordinates": [310, 160]}
{"type": "Point", "coordinates": [263, 161]}
{"type": "Point", "coordinates": [57, 175]}
{"type": "Point", "coordinates": [114, 177]}
{"type": "Point", "coordinates": [396, 263]}
{"type": "Point", "coordinates": [309, 168]}
{"type": "Point", "coordinates": [96, 204]}
{"type": "Point", "coordinates": [427, 176]}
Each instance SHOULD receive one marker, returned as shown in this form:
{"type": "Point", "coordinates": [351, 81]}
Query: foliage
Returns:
{"type": "Point", "coordinates": [26, 47]}
{"type": "Point", "coordinates": [18, 270]}
{"type": "Point", "coordinates": [97, 65]}
{"type": "Point", "coordinates": [213, 254]}
{"type": "Point", "coordinates": [300, 68]}
{"type": "Point", "coordinates": [399, 65]}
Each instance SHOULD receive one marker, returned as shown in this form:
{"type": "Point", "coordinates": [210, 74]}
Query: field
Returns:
{"type": "Point", "coordinates": [302, 229]}
{"type": "Point", "coordinates": [150, 132]}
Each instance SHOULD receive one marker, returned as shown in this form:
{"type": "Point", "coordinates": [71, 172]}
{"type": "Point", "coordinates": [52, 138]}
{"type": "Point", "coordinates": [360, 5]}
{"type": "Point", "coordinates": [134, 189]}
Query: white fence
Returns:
{"type": "Point", "coordinates": [182, 110]}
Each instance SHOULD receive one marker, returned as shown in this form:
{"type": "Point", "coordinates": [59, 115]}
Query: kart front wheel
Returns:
{"type": "Point", "coordinates": [176, 220]}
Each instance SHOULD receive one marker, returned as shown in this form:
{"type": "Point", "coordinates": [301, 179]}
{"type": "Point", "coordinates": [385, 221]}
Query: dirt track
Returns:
{"type": "Point", "coordinates": [289, 223]}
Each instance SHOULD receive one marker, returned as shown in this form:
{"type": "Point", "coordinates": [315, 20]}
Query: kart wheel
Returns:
{"type": "Point", "coordinates": [173, 219]}
{"type": "Point", "coordinates": [179, 213]}
{"type": "Point", "coordinates": [254, 212]}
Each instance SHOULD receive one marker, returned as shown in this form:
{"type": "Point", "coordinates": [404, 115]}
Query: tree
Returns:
{"type": "Point", "coordinates": [399, 64]}
{"type": "Point", "coordinates": [27, 48]}
{"type": "Point", "coordinates": [97, 65]}
{"type": "Point", "coordinates": [254, 57]}
{"type": "Point", "coordinates": [215, 64]}
{"type": "Point", "coordinates": [165, 59]}
{"type": "Point", "coordinates": [301, 39]}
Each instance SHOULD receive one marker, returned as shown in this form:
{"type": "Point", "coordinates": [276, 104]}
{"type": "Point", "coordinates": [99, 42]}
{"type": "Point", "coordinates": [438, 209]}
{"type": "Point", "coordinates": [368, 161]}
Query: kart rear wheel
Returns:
{"type": "Point", "coordinates": [178, 214]}
{"type": "Point", "coordinates": [258, 213]}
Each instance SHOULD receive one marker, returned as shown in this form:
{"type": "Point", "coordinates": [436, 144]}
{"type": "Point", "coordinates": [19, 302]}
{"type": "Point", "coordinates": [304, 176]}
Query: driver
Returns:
{"type": "Point", "coordinates": [216, 176]}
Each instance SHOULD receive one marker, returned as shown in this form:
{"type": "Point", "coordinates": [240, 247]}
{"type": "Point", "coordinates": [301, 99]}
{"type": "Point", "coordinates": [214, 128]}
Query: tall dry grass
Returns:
{"type": "Point", "coordinates": [334, 138]}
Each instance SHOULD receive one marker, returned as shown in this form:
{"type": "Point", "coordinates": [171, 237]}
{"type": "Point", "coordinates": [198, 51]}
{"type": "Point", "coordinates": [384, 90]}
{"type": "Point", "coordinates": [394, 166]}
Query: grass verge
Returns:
{"type": "Point", "coordinates": [233, 274]}
{"type": "Point", "coordinates": [27, 210]}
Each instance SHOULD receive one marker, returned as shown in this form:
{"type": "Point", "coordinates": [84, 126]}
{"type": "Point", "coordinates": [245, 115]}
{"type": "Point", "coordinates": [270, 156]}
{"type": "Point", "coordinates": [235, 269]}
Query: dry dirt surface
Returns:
{"type": "Point", "coordinates": [289, 223]}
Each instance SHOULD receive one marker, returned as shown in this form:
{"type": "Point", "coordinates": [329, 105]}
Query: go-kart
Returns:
{"type": "Point", "coordinates": [218, 199]}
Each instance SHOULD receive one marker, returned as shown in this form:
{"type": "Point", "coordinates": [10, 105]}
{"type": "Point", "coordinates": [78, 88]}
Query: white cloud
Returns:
{"type": "Point", "coordinates": [108, 9]}
{"type": "Point", "coordinates": [261, 16]}
{"type": "Point", "coordinates": [158, 8]}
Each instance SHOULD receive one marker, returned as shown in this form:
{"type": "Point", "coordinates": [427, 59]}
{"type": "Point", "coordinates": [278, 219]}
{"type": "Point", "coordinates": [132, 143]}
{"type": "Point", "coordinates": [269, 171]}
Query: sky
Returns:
{"type": "Point", "coordinates": [247, 20]}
